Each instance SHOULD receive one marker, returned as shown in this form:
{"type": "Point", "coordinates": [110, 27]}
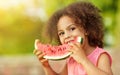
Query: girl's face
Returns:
{"type": "Point", "coordinates": [68, 30]}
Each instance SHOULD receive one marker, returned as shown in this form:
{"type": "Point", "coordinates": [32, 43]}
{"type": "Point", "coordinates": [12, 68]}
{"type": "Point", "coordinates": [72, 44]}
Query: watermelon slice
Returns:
{"type": "Point", "coordinates": [55, 52]}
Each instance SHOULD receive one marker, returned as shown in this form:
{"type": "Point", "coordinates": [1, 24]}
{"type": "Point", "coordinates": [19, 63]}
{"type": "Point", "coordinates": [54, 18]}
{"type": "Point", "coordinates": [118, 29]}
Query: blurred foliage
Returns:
{"type": "Point", "coordinates": [23, 21]}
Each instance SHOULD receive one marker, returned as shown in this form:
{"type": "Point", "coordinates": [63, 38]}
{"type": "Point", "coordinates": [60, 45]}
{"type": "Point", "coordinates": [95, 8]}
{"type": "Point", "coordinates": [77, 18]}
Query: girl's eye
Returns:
{"type": "Point", "coordinates": [73, 28]}
{"type": "Point", "coordinates": [61, 33]}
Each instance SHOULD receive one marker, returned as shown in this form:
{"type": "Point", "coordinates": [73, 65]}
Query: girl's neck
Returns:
{"type": "Point", "coordinates": [88, 49]}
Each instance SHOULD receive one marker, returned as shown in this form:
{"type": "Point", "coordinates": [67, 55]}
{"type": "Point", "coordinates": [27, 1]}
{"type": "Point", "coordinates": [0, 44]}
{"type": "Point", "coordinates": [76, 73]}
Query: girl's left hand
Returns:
{"type": "Point", "coordinates": [78, 52]}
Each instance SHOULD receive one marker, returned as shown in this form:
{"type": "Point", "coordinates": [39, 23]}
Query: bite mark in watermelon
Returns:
{"type": "Point", "coordinates": [55, 52]}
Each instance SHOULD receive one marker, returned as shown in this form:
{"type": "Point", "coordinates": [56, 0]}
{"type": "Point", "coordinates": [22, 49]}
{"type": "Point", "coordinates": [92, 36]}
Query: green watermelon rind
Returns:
{"type": "Point", "coordinates": [80, 40]}
{"type": "Point", "coordinates": [55, 58]}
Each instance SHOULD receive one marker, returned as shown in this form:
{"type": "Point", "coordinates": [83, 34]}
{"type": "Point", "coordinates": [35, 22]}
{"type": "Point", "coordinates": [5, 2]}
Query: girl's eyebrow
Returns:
{"type": "Point", "coordinates": [60, 30]}
{"type": "Point", "coordinates": [71, 25]}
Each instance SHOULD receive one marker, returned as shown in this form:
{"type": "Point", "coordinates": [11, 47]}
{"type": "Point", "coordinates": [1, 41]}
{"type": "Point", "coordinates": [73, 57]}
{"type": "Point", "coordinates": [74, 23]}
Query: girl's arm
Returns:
{"type": "Point", "coordinates": [104, 67]}
{"type": "Point", "coordinates": [48, 70]}
{"type": "Point", "coordinates": [64, 71]}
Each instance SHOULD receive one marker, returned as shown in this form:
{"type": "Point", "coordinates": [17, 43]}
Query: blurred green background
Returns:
{"type": "Point", "coordinates": [23, 21]}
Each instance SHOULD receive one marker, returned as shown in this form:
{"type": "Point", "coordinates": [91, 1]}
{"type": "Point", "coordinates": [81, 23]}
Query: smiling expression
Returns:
{"type": "Point", "coordinates": [68, 30]}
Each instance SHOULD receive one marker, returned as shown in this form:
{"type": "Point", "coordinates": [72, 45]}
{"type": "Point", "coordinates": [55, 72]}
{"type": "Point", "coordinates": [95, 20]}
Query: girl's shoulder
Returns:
{"type": "Point", "coordinates": [99, 53]}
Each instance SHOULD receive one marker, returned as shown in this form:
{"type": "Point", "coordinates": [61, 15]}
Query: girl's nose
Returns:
{"type": "Point", "coordinates": [67, 35]}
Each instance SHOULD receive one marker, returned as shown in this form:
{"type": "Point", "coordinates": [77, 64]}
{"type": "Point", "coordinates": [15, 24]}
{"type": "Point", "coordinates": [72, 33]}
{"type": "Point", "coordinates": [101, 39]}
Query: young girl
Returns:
{"type": "Point", "coordinates": [79, 19]}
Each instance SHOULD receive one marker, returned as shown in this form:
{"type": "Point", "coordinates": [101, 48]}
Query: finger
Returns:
{"type": "Point", "coordinates": [44, 60]}
{"type": "Point", "coordinates": [41, 56]}
{"type": "Point", "coordinates": [73, 45]}
{"type": "Point", "coordinates": [72, 48]}
{"type": "Point", "coordinates": [38, 53]}
{"type": "Point", "coordinates": [34, 51]}
{"type": "Point", "coordinates": [78, 44]}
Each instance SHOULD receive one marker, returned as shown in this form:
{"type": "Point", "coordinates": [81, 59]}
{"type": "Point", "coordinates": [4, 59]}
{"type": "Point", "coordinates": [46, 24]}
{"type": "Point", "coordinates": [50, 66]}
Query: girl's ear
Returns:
{"type": "Point", "coordinates": [86, 33]}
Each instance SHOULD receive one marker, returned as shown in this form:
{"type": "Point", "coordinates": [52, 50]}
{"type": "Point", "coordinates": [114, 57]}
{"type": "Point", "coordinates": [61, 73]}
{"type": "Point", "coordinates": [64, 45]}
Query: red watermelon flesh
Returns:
{"type": "Point", "coordinates": [55, 52]}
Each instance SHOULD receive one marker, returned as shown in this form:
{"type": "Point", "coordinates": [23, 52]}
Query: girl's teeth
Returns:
{"type": "Point", "coordinates": [68, 42]}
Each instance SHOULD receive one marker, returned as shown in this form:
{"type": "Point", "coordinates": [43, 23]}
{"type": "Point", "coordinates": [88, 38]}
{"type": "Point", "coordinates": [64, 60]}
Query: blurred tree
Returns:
{"type": "Point", "coordinates": [20, 25]}
{"type": "Point", "coordinates": [117, 25]}
{"type": "Point", "coordinates": [18, 30]}
{"type": "Point", "coordinates": [109, 11]}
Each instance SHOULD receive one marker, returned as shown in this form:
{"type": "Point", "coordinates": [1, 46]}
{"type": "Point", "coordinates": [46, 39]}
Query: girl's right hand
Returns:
{"type": "Point", "coordinates": [40, 55]}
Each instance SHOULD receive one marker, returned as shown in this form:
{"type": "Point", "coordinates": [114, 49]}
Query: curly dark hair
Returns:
{"type": "Point", "coordinates": [83, 13]}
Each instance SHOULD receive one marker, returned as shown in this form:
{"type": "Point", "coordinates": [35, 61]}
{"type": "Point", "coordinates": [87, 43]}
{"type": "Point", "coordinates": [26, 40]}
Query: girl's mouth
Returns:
{"type": "Point", "coordinates": [71, 41]}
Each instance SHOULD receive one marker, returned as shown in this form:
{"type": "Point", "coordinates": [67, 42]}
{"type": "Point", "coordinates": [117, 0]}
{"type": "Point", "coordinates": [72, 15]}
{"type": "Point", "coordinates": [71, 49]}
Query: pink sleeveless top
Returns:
{"type": "Point", "coordinates": [76, 69]}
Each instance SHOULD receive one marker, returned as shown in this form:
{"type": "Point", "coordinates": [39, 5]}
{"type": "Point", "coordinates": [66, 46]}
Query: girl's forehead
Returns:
{"type": "Point", "coordinates": [65, 21]}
